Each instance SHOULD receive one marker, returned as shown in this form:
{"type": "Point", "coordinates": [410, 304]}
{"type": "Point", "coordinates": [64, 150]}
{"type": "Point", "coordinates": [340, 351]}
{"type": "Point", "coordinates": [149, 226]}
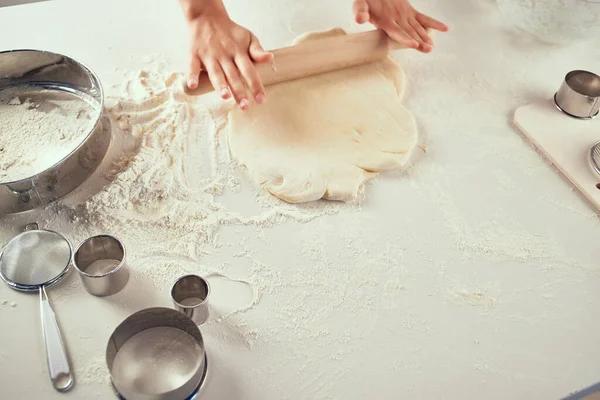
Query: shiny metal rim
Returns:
{"type": "Point", "coordinates": [571, 115]}
{"type": "Point", "coordinates": [114, 271]}
{"type": "Point", "coordinates": [96, 122]}
{"type": "Point", "coordinates": [35, 288]}
{"type": "Point", "coordinates": [204, 302]}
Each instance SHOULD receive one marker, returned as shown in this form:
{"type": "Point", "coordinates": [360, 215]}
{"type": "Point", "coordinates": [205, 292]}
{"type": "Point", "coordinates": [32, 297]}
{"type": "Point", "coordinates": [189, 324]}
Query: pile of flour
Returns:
{"type": "Point", "coordinates": [173, 175]}
{"type": "Point", "coordinates": [38, 129]}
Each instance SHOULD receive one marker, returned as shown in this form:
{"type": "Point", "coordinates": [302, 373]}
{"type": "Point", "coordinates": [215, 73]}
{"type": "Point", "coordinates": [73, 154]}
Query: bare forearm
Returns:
{"type": "Point", "coordinates": [194, 8]}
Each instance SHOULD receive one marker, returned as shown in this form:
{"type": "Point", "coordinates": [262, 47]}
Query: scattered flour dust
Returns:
{"type": "Point", "coordinates": [6, 303]}
{"type": "Point", "coordinates": [39, 128]}
{"type": "Point", "coordinates": [166, 200]}
{"type": "Point", "coordinates": [94, 371]}
{"type": "Point", "coordinates": [175, 175]}
{"type": "Point", "coordinates": [472, 298]}
{"type": "Point", "coordinates": [172, 178]}
{"type": "Point", "coordinates": [548, 19]}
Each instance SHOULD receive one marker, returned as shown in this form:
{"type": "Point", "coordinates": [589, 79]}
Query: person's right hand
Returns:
{"type": "Point", "coordinates": [400, 21]}
{"type": "Point", "coordinates": [227, 52]}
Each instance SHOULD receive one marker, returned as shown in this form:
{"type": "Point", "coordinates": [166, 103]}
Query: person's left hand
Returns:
{"type": "Point", "coordinates": [399, 20]}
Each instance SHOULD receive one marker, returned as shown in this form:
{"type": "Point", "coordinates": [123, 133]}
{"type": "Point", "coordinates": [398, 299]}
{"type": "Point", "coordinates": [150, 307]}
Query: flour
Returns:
{"type": "Point", "coordinates": [174, 173]}
{"type": "Point", "coordinates": [39, 128]}
{"type": "Point", "coordinates": [94, 372]}
{"type": "Point", "coordinates": [172, 184]}
{"type": "Point", "coordinates": [555, 21]}
{"type": "Point", "coordinates": [174, 190]}
{"type": "Point", "coordinates": [156, 361]}
{"type": "Point", "coordinates": [102, 267]}
{"type": "Point", "coordinates": [191, 301]}
{"type": "Point", "coordinates": [6, 303]}
{"type": "Point", "coordinates": [472, 298]}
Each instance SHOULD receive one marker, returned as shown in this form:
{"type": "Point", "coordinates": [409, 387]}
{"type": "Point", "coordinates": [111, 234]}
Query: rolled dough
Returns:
{"type": "Point", "coordinates": [325, 136]}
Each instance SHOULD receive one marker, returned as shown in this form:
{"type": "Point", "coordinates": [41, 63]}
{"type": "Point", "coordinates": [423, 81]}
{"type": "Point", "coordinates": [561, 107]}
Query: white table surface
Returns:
{"type": "Point", "coordinates": [486, 260]}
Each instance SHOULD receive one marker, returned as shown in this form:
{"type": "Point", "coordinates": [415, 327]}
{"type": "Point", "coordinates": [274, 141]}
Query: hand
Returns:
{"type": "Point", "coordinates": [399, 20]}
{"type": "Point", "coordinates": [227, 52]}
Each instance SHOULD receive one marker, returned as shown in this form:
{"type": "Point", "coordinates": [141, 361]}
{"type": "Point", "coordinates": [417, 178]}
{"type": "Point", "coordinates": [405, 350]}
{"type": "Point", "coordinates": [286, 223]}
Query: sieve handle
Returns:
{"type": "Point", "coordinates": [56, 354]}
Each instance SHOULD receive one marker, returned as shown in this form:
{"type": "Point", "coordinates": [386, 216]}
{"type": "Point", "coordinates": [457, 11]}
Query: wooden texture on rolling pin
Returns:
{"type": "Point", "coordinates": [564, 140]}
{"type": "Point", "coordinates": [316, 57]}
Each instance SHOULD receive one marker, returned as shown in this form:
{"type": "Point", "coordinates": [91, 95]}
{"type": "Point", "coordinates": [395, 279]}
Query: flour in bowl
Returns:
{"type": "Point", "coordinates": [38, 128]}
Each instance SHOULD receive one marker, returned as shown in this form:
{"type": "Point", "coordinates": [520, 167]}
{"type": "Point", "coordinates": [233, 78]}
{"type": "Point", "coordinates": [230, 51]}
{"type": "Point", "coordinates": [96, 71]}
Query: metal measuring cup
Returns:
{"type": "Point", "coordinates": [30, 262]}
{"type": "Point", "coordinates": [100, 261]}
{"type": "Point", "coordinates": [190, 297]}
{"type": "Point", "coordinates": [579, 95]}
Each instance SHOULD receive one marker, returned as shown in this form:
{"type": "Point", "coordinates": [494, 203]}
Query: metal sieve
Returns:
{"type": "Point", "coordinates": [56, 74]}
{"type": "Point", "coordinates": [32, 261]}
{"type": "Point", "coordinates": [594, 157]}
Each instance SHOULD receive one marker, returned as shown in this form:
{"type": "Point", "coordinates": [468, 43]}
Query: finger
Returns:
{"type": "Point", "coordinates": [396, 33]}
{"type": "Point", "coordinates": [421, 32]}
{"type": "Point", "coordinates": [257, 53]}
{"type": "Point", "coordinates": [194, 72]}
{"type": "Point", "coordinates": [250, 75]}
{"type": "Point", "coordinates": [361, 11]}
{"type": "Point", "coordinates": [425, 42]}
{"type": "Point", "coordinates": [217, 78]}
{"type": "Point", "coordinates": [409, 30]}
{"type": "Point", "coordinates": [429, 22]}
{"type": "Point", "coordinates": [235, 83]}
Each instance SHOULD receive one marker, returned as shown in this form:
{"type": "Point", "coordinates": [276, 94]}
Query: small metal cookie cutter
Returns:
{"type": "Point", "coordinates": [100, 261]}
{"type": "Point", "coordinates": [579, 95]}
{"type": "Point", "coordinates": [190, 297]}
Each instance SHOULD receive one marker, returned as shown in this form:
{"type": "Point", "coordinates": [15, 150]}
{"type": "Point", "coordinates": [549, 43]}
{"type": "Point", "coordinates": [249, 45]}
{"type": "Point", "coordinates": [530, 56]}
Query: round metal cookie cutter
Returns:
{"type": "Point", "coordinates": [157, 354]}
{"type": "Point", "coordinates": [579, 95]}
{"type": "Point", "coordinates": [190, 295]}
{"type": "Point", "coordinates": [101, 263]}
{"type": "Point", "coordinates": [55, 73]}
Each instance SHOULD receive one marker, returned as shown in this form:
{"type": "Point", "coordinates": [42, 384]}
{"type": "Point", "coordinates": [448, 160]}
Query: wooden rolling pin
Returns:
{"type": "Point", "coordinates": [316, 57]}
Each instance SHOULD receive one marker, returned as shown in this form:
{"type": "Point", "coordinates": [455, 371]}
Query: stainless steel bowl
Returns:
{"type": "Point", "coordinates": [56, 73]}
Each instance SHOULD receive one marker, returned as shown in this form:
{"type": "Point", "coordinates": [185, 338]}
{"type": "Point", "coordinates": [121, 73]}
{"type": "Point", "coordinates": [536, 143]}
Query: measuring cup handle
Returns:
{"type": "Point", "coordinates": [56, 355]}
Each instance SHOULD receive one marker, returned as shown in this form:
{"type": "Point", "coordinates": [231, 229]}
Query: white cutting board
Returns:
{"type": "Point", "coordinates": [565, 141]}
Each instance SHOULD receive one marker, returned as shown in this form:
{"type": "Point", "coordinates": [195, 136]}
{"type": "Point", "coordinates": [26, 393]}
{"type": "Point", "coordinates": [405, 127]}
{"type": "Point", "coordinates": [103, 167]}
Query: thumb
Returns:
{"type": "Point", "coordinates": [257, 53]}
{"type": "Point", "coordinates": [361, 11]}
